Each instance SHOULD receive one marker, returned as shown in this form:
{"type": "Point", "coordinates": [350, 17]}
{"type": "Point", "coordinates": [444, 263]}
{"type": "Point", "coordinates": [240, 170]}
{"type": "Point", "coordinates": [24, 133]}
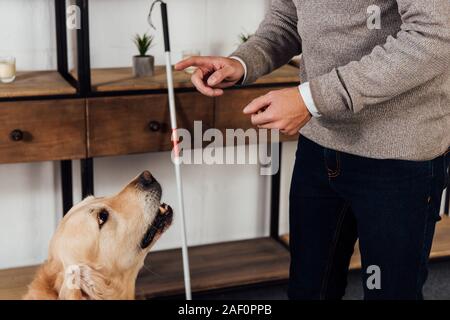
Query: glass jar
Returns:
{"type": "Point", "coordinates": [7, 69]}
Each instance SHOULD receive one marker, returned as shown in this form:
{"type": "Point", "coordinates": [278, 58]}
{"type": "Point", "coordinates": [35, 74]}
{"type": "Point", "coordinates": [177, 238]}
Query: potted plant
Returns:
{"type": "Point", "coordinates": [143, 64]}
{"type": "Point", "coordinates": [244, 37]}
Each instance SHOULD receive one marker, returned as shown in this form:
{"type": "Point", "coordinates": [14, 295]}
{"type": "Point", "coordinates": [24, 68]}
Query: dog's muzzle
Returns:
{"type": "Point", "coordinates": [162, 221]}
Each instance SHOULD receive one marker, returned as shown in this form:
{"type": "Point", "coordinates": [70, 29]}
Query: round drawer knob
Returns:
{"type": "Point", "coordinates": [16, 135]}
{"type": "Point", "coordinates": [154, 126]}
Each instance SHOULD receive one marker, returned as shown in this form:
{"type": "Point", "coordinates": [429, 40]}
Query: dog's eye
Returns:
{"type": "Point", "coordinates": [102, 217]}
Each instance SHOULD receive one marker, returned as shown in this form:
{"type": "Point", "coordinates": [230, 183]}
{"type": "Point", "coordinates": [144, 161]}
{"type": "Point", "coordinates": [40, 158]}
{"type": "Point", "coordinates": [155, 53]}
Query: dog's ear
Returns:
{"type": "Point", "coordinates": [85, 282]}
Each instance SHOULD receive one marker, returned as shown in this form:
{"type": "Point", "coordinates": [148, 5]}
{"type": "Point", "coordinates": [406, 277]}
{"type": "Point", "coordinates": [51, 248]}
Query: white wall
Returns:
{"type": "Point", "coordinates": [211, 26]}
{"type": "Point", "coordinates": [27, 32]}
{"type": "Point", "coordinates": [223, 202]}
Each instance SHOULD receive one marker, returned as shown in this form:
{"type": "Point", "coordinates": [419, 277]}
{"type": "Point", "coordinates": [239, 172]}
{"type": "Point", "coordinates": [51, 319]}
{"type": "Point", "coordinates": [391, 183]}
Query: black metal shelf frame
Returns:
{"type": "Point", "coordinates": [83, 86]}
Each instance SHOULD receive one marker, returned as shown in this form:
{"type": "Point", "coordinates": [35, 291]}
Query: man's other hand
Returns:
{"type": "Point", "coordinates": [282, 109]}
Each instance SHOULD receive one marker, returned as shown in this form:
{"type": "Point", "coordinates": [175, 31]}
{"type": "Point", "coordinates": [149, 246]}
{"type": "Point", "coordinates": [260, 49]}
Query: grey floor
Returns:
{"type": "Point", "coordinates": [436, 288]}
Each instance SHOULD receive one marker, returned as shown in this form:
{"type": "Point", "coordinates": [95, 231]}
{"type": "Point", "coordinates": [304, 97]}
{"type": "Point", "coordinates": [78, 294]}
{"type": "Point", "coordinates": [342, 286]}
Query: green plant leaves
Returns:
{"type": "Point", "coordinates": [143, 43]}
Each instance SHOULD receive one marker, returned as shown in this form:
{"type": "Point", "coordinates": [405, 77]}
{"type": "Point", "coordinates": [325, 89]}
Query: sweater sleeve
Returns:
{"type": "Point", "coordinates": [418, 53]}
{"type": "Point", "coordinates": [275, 42]}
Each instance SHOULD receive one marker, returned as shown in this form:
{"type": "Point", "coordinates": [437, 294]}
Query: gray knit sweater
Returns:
{"type": "Point", "coordinates": [383, 92]}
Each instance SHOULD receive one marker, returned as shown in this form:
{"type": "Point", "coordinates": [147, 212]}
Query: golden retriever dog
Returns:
{"type": "Point", "coordinates": [100, 245]}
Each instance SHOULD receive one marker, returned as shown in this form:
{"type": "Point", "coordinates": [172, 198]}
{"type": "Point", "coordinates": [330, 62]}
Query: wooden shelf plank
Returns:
{"type": "Point", "coordinates": [213, 266]}
{"type": "Point", "coordinates": [36, 83]}
{"type": "Point", "coordinates": [121, 79]}
{"type": "Point", "coordinates": [440, 248]}
{"type": "Point", "coordinates": [441, 242]}
{"type": "Point", "coordinates": [14, 282]}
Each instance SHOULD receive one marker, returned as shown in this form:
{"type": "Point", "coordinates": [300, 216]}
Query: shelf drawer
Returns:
{"type": "Point", "coordinates": [42, 130]}
{"type": "Point", "coordinates": [229, 108]}
{"type": "Point", "coordinates": [138, 124]}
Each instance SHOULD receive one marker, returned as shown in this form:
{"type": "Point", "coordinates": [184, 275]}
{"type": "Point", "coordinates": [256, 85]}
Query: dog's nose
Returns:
{"type": "Point", "coordinates": [146, 179]}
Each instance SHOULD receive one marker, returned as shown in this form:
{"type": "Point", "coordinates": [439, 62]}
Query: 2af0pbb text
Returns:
{"type": "Point", "coordinates": [247, 309]}
{"type": "Point", "coordinates": [233, 309]}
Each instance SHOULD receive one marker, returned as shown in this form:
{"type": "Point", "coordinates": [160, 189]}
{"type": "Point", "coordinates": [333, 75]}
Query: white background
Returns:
{"type": "Point", "coordinates": [222, 202]}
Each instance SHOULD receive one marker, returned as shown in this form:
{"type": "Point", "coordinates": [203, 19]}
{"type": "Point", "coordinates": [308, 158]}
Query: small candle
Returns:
{"type": "Point", "coordinates": [7, 69]}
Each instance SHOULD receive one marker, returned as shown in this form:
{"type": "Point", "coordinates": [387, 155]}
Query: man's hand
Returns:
{"type": "Point", "coordinates": [213, 73]}
{"type": "Point", "coordinates": [281, 109]}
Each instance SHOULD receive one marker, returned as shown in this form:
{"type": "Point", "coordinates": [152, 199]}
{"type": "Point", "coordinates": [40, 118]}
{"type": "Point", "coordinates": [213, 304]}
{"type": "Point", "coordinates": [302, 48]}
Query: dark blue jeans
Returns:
{"type": "Point", "coordinates": [392, 206]}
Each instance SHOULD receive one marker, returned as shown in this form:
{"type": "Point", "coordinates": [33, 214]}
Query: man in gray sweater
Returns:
{"type": "Point", "coordinates": [373, 111]}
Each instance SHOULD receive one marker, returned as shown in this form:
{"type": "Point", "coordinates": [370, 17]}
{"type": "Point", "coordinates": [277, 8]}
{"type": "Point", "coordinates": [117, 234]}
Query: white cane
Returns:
{"type": "Point", "coordinates": [176, 160]}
